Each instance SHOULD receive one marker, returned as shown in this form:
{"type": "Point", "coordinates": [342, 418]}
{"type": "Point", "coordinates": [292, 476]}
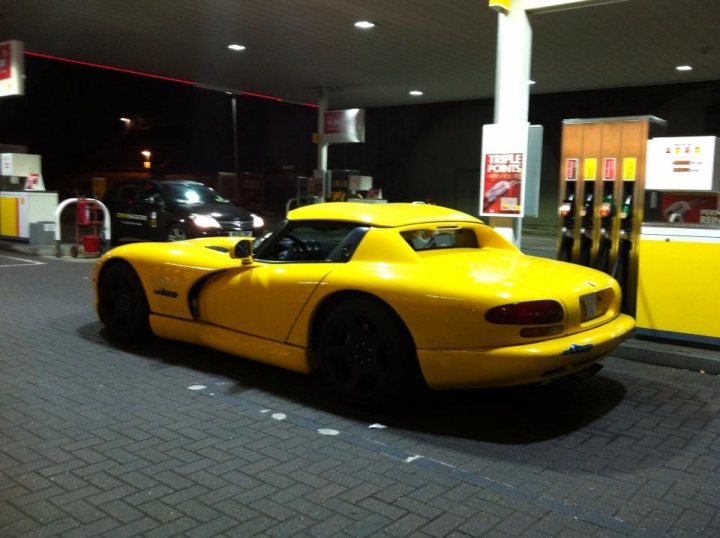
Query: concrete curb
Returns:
{"type": "Point", "coordinates": [38, 250]}
{"type": "Point", "coordinates": [672, 355]}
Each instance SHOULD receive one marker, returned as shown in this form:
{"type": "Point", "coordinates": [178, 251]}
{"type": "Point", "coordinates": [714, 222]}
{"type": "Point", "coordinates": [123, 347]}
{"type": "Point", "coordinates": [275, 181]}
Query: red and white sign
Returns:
{"type": "Point", "coordinates": [32, 182]}
{"type": "Point", "coordinates": [344, 126]}
{"type": "Point", "coordinates": [571, 169]}
{"type": "Point", "coordinates": [5, 61]}
{"type": "Point", "coordinates": [504, 166]}
{"type": "Point", "coordinates": [609, 169]}
{"type": "Point", "coordinates": [11, 68]}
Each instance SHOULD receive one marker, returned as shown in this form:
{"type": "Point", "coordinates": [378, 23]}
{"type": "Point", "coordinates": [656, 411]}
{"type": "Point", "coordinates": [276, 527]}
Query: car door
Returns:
{"type": "Point", "coordinates": [152, 206]}
{"type": "Point", "coordinates": [121, 203]}
{"type": "Point", "coordinates": [262, 299]}
{"type": "Point", "coordinates": [266, 297]}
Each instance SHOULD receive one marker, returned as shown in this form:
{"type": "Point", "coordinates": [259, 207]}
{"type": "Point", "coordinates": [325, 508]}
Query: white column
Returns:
{"type": "Point", "coordinates": [322, 149]}
{"type": "Point", "coordinates": [512, 71]}
{"type": "Point", "coordinates": [512, 83]}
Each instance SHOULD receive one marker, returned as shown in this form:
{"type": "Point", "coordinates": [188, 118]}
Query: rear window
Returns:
{"type": "Point", "coordinates": [440, 238]}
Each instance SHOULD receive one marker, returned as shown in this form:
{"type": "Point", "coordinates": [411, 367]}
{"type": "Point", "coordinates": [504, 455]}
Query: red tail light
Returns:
{"type": "Point", "coordinates": [527, 313]}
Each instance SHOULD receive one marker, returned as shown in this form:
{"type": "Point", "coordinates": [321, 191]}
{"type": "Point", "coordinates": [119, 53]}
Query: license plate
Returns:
{"type": "Point", "coordinates": [238, 234]}
{"type": "Point", "coordinates": [589, 306]}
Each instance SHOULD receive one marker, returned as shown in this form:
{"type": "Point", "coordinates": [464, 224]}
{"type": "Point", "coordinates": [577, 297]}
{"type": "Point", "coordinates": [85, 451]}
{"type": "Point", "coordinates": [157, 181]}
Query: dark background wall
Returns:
{"type": "Point", "coordinates": [433, 151]}
{"type": "Point", "coordinates": [70, 115]}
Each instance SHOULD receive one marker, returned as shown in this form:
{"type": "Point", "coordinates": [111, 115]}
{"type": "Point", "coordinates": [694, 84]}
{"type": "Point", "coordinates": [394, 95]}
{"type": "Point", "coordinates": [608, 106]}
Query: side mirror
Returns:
{"type": "Point", "coordinates": [243, 250]}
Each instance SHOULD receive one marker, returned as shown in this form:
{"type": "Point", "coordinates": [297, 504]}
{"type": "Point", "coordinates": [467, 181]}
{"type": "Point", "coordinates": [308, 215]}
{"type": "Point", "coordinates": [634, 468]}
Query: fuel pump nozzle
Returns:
{"type": "Point", "coordinates": [567, 212]}
{"type": "Point", "coordinates": [607, 211]}
{"type": "Point", "coordinates": [622, 261]}
{"type": "Point", "coordinates": [586, 241]}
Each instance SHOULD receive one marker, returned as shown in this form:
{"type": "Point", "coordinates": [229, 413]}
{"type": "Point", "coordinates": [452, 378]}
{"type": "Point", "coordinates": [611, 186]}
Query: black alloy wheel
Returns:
{"type": "Point", "coordinates": [122, 305]}
{"type": "Point", "coordinates": [176, 232]}
{"type": "Point", "coordinates": [366, 354]}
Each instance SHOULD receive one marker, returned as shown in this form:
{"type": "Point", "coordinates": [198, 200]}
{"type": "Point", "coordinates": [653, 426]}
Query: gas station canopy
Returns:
{"type": "Point", "coordinates": [447, 50]}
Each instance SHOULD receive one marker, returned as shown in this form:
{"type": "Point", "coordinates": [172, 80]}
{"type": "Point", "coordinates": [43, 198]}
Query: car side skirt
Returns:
{"type": "Point", "coordinates": [519, 365]}
{"type": "Point", "coordinates": [243, 345]}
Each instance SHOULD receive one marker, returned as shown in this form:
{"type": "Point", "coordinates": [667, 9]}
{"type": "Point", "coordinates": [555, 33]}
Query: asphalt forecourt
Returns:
{"type": "Point", "coordinates": [168, 439]}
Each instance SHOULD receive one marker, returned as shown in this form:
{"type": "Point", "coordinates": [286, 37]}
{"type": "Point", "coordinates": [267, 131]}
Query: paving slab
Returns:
{"type": "Point", "coordinates": [167, 439]}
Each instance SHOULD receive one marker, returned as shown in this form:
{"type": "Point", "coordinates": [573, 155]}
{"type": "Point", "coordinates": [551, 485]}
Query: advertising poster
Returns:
{"type": "Point", "coordinates": [698, 209]}
{"type": "Point", "coordinates": [502, 178]}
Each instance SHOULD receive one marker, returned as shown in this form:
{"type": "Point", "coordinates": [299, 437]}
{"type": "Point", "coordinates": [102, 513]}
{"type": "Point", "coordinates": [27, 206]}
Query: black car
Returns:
{"type": "Point", "coordinates": [173, 210]}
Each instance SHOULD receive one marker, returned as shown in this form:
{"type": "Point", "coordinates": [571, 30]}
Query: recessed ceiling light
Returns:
{"type": "Point", "coordinates": [531, 82]}
{"type": "Point", "coordinates": [415, 93]}
{"type": "Point", "coordinates": [236, 47]}
{"type": "Point", "coordinates": [364, 25]}
{"type": "Point", "coordinates": [684, 68]}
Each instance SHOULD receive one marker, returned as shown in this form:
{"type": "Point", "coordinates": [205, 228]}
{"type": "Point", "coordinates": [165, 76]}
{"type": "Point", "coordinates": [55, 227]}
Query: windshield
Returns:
{"type": "Point", "coordinates": [192, 194]}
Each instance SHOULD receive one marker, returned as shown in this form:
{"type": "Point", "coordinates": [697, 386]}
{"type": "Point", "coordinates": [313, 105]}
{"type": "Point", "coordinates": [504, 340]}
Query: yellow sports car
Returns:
{"type": "Point", "coordinates": [383, 299]}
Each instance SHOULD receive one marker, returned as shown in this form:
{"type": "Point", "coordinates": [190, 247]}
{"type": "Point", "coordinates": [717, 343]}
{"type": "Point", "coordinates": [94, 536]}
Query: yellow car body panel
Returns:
{"type": "Point", "coordinates": [183, 263]}
{"type": "Point", "coordinates": [236, 299]}
{"type": "Point", "coordinates": [236, 343]}
{"type": "Point", "coordinates": [268, 310]}
{"type": "Point", "coordinates": [523, 364]}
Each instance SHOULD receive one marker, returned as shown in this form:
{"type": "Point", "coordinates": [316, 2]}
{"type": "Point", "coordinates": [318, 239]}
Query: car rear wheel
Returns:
{"type": "Point", "coordinates": [122, 305]}
{"type": "Point", "coordinates": [367, 355]}
{"type": "Point", "coordinates": [176, 232]}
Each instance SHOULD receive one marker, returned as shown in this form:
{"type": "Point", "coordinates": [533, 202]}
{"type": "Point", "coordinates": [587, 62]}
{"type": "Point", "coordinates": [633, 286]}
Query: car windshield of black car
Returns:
{"type": "Point", "coordinates": [193, 194]}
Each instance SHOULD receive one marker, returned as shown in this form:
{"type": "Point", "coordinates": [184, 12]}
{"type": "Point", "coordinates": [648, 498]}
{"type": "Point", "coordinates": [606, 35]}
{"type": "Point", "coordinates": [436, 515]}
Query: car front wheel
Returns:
{"type": "Point", "coordinates": [122, 305]}
{"type": "Point", "coordinates": [367, 355]}
{"type": "Point", "coordinates": [176, 232]}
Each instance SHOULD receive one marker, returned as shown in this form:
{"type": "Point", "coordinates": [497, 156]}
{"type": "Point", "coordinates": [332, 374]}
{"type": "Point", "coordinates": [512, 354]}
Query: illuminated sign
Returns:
{"type": "Point", "coordinates": [344, 126]}
{"type": "Point", "coordinates": [12, 68]}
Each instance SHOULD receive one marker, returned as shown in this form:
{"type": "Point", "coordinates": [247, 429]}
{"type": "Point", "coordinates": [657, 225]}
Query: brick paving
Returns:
{"type": "Point", "coordinates": [175, 440]}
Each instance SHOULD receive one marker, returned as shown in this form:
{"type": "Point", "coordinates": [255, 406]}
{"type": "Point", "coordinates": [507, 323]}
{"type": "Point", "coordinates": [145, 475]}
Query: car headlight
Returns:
{"type": "Point", "coordinates": [204, 221]}
{"type": "Point", "coordinates": [258, 221]}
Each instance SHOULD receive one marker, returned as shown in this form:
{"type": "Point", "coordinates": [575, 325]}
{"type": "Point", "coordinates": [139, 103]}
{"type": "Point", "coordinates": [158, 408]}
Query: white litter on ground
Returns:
{"type": "Point", "coordinates": [328, 431]}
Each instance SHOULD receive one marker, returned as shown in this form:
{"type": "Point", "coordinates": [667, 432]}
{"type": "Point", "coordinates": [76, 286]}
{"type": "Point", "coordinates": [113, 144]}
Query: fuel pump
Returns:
{"type": "Point", "coordinates": [622, 262]}
{"type": "Point", "coordinates": [607, 212]}
{"type": "Point", "coordinates": [586, 230]}
{"type": "Point", "coordinates": [567, 241]}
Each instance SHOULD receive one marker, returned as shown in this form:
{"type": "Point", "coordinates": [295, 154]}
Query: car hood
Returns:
{"type": "Point", "coordinates": [218, 211]}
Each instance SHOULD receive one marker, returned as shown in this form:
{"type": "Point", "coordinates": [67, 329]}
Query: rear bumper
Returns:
{"type": "Point", "coordinates": [518, 365]}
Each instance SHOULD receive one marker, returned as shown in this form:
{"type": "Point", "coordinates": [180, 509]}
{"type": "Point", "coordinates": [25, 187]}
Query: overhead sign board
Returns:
{"type": "Point", "coordinates": [12, 69]}
{"type": "Point", "coordinates": [344, 126]}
